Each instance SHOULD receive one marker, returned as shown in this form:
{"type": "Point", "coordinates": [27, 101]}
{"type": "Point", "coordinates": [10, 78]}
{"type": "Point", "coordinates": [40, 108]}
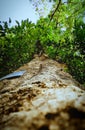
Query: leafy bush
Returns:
{"type": "Point", "coordinates": [17, 46]}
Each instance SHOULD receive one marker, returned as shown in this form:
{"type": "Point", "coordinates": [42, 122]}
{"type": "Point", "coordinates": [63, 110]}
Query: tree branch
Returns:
{"type": "Point", "coordinates": [55, 10]}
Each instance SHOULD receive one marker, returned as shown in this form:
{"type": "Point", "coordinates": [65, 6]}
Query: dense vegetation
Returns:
{"type": "Point", "coordinates": [61, 35]}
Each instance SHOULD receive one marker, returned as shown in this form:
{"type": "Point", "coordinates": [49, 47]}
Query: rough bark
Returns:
{"type": "Point", "coordinates": [44, 98]}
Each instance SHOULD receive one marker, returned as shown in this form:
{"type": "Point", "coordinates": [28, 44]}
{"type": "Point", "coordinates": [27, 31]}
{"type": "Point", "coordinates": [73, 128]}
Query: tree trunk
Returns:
{"type": "Point", "coordinates": [44, 98]}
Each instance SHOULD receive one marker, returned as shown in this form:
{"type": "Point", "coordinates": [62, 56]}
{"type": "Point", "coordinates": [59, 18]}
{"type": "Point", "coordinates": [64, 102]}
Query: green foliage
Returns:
{"type": "Point", "coordinates": [17, 46]}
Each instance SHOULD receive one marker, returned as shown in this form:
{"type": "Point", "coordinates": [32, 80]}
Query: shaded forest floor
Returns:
{"type": "Point", "coordinates": [44, 98]}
